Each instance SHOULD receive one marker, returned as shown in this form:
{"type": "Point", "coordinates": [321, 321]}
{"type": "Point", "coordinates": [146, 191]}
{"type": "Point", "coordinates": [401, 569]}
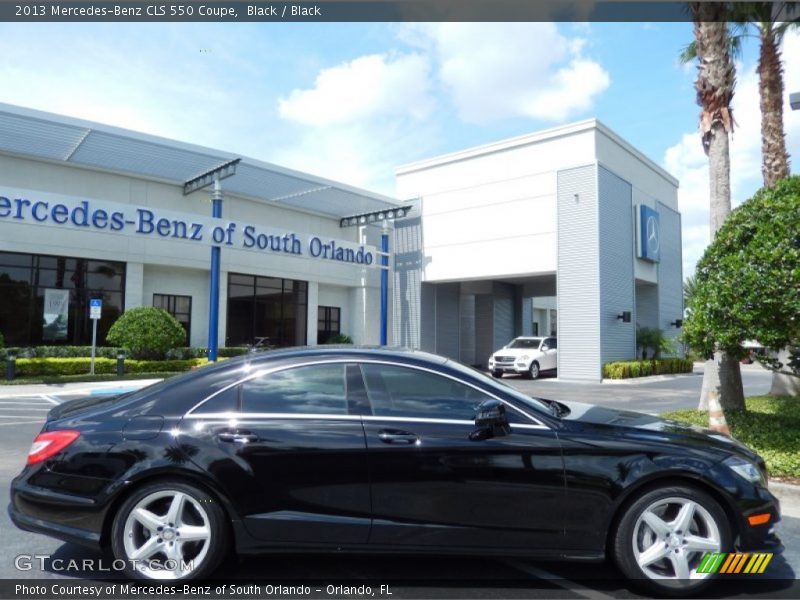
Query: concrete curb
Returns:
{"type": "Point", "coordinates": [72, 389]}
{"type": "Point", "coordinates": [650, 379]}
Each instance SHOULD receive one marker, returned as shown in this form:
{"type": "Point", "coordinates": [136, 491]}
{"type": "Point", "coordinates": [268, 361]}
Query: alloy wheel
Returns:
{"type": "Point", "coordinates": [534, 370]}
{"type": "Point", "coordinates": [671, 536]}
{"type": "Point", "coordinates": [167, 535]}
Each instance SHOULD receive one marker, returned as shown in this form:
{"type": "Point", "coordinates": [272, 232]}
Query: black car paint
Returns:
{"type": "Point", "coordinates": [317, 483]}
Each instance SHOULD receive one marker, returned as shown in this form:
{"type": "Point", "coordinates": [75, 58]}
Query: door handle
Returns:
{"type": "Point", "coordinates": [237, 437]}
{"type": "Point", "coordinates": [393, 436]}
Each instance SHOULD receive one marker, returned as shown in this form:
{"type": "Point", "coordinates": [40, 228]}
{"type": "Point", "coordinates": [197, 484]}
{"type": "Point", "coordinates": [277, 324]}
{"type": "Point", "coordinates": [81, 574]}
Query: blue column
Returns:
{"type": "Point", "coordinates": [384, 286]}
{"type": "Point", "coordinates": [213, 300]}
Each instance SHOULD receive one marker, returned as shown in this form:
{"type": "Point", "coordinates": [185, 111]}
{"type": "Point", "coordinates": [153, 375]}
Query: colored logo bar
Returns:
{"type": "Point", "coordinates": [738, 562]}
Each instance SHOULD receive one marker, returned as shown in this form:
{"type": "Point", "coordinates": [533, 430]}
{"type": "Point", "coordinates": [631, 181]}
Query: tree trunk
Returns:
{"type": "Point", "coordinates": [784, 385]}
{"type": "Point", "coordinates": [714, 85]}
{"type": "Point", "coordinates": [775, 160]}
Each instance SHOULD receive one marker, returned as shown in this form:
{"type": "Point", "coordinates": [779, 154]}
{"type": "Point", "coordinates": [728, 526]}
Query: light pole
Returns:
{"type": "Point", "coordinates": [385, 217]}
{"type": "Point", "coordinates": [214, 176]}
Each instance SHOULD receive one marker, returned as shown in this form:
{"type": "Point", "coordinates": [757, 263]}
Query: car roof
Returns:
{"type": "Point", "coordinates": [335, 350]}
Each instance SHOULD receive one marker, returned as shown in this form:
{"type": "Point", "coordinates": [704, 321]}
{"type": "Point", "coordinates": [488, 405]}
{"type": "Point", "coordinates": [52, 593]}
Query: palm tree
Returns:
{"type": "Point", "coordinates": [716, 79]}
{"type": "Point", "coordinates": [770, 22]}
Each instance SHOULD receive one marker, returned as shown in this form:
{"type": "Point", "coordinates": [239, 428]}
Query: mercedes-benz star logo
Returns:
{"type": "Point", "coordinates": [652, 236]}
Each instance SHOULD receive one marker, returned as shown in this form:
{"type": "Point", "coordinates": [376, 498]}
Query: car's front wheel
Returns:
{"type": "Point", "coordinates": [169, 530]}
{"type": "Point", "coordinates": [664, 535]}
{"type": "Point", "coordinates": [497, 373]}
{"type": "Point", "coordinates": [534, 372]}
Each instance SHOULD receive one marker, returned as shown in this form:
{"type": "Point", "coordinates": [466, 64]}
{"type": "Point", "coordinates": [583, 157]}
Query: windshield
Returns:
{"type": "Point", "coordinates": [526, 343]}
{"type": "Point", "coordinates": [498, 384]}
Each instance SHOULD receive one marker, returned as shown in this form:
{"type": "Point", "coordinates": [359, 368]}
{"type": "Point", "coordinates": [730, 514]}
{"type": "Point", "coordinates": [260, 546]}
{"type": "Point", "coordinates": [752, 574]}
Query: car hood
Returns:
{"type": "Point", "coordinates": [628, 423]}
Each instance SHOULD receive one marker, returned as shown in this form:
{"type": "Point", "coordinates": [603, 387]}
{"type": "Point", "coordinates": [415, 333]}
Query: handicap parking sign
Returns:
{"type": "Point", "coordinates": [95, 308]}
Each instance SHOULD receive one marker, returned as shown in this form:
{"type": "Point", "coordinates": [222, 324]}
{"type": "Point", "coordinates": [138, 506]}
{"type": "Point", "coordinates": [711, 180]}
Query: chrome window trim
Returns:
{"type": "Point", "coordinates": [240, 416]}
{"type": "Point", "coordinates": [536, 424]}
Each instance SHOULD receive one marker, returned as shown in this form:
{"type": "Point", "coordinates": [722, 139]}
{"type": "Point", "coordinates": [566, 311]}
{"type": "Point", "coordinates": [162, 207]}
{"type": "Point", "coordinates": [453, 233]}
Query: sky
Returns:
{"type": "Point", "coordinates": [352, 102]}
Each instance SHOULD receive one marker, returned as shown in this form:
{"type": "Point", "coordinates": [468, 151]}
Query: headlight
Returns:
{"type": "Point", "coordinates": [745, 469]}
{"type": "Point", "coordinates": [524, 357]}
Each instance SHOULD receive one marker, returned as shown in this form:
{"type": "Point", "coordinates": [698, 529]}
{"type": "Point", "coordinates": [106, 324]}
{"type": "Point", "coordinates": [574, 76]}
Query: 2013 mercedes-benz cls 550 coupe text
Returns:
{"type": "Point", "coordinates": [371, 450]}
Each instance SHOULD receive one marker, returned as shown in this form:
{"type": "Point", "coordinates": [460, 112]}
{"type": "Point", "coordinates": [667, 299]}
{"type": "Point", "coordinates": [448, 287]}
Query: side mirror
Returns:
{"type": "Point", "coordinates": [490, 421]}
{"type": "Point", "coordinates": [545, 347]}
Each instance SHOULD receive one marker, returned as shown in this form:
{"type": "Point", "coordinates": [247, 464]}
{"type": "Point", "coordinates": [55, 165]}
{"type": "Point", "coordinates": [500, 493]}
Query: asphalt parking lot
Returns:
{"type": "Point", "coordinates": [406, 576]}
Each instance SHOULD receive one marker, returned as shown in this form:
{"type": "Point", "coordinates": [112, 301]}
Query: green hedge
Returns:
{"type": "Point", "coordinates": [110, 352]}
{"type": "Point", "coordinates": [225, 352]}
{"type": "Point", "coordinates": [33, 367]}
{"type": "Point", "coordinates": [642, 368]}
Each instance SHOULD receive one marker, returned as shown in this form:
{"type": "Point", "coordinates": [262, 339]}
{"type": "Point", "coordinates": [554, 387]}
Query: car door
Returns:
{"type": "Point", "coordinates": [550, 355]}
{"type": "Point", "coordinates": [297, 454]}
{"type": "Point", "coordinates": [434, 486]}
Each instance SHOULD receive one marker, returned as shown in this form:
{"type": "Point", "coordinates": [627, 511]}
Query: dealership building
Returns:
{"type": "Point", "coordinates": [570, 232]}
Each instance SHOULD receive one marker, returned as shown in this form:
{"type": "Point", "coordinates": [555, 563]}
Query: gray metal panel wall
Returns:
{"type": "Point", "coordinates": [616, 228]}
{"type": "Point", "coordinates": [467, 355]}
{"type": "Point", "coordinates": [670, 273]}
{"type": "Point", "coordinates": [427, 321]}
{"type": "Point", "coordinates": [448, 320]}
{"type": "Point", "coordinates": [647, 305]}
{"type": "Point", "coordinates": [578, 275]}
{"type": "Point", "coordinates": [484, 328]}
{"type": "Point", "coordinates": [503, 312]}
{"type": "Point", "coordinates": [407, 246]}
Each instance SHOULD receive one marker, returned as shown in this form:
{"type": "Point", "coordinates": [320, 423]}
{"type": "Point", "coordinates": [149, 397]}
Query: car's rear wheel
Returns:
{"type": "Point", "coordinates": [534, 372]}
{"type": "Point", "coordinates": [169, 530]}
{"type": "Point", "coordinates": [497, 373]}
{"type": "Point", "coordinates": [664, 535]}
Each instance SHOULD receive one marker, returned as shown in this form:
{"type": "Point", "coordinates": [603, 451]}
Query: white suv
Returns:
{"type": "Point", "coordinates": [528, 356]}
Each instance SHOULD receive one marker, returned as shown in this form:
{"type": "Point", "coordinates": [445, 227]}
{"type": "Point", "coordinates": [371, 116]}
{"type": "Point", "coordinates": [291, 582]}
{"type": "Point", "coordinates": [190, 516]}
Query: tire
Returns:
{"type": "Point", "coordinates": [656, 522]}
{"type": "Point", "coordinates": [534, 372]}
{"type": "Point", "coordinates": [163, 511]}
{"type": "Point", "coordinates": [497, 373]}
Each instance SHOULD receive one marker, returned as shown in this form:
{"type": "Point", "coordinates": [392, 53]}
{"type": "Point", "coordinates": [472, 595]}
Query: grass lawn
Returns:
{"type": "Point", "coordinates": [771, 427]}
{"type": "Point", "coordinates": [85, 378]}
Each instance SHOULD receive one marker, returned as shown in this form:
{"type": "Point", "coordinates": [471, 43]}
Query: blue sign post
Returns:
{"type": "Point", "coordinates": [213, 177]}
{"type": "Point", "coordinates": [384, 283]}
{"type": "Point", "coordinates": [213, 300]}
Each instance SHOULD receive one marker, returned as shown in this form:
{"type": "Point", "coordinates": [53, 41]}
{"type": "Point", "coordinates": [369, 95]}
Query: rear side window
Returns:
{"type": "Point", "coordinates": [225, 401]}
{"type": "Point", "coordinates": [315, 389]}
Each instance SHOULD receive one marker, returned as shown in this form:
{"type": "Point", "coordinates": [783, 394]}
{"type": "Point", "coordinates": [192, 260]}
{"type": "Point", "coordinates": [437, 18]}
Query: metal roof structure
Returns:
{"type": "Point", "coordinates": [45, 136]}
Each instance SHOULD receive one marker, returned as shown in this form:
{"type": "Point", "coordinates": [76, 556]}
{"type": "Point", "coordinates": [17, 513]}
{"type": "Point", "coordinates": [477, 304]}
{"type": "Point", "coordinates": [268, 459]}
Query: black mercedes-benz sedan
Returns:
{"type": "Point", "coordinates": [375, 450]}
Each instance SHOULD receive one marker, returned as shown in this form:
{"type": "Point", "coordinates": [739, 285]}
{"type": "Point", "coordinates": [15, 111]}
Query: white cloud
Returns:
{"type": "Point", "coordinates": [366, 87]}
{"type": "Point", "coordinates": [503, 70]}
{"type": "Point", "coordinates": [689, 164]}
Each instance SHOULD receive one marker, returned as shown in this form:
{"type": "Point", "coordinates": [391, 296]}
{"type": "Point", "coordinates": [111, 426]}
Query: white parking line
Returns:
{"type": "Point", "coordinates": [20, 422]}
{"type": "Point", "coordinates": [52, 399]}
{"type": "Point", "coordinates": [567, 584]}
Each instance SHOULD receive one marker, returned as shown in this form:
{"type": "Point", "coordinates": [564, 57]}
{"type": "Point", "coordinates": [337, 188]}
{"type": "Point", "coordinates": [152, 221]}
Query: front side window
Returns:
{"type": "Point", "coordinates": [315, 389]}
{"type": "Point", "coordinates": [396, 391]}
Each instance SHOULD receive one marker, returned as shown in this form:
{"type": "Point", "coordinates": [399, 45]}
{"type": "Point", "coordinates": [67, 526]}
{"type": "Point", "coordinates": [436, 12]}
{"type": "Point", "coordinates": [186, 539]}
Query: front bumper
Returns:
{"type": "Point", "coordinates": [760, 538]}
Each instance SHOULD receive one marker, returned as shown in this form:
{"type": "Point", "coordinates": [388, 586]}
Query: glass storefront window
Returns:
{"type": "Point", "coordinates": [266, 310]}
{"type": "Point", "coordinates": [24, 281]}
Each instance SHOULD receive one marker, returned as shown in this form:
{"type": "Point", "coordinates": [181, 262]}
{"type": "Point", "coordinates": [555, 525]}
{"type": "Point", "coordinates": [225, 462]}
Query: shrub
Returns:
{"type": "Point", "coordinates": [339, 338]}
{"type": "Point", "coordinates": [147, 332]}
{"type": "Point", "coordinates": [643, 368]}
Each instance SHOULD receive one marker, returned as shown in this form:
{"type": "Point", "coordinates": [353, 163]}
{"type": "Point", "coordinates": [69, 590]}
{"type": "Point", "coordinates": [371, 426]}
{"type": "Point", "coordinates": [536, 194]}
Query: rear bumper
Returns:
{"type": "Point", "coordinates": [74, 519]}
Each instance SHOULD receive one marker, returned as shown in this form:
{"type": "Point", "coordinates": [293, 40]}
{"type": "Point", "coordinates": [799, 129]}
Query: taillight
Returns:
{"type": "Point", "coordinates": [50, 443]}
